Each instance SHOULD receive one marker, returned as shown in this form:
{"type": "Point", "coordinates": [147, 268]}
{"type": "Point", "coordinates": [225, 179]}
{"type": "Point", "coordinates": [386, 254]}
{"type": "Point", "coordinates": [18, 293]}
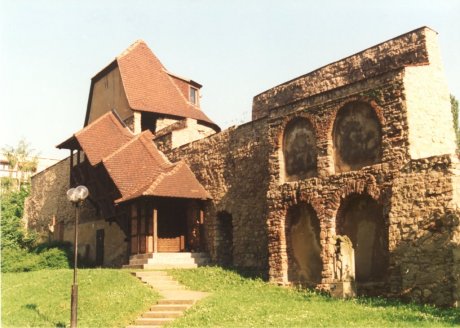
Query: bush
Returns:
{"type": "Point", "coordinates": [20, 260]}
{"type": "Point", "coordinates": [54, 258]}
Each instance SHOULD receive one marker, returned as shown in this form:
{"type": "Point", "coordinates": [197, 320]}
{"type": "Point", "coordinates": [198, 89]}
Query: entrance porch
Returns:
{"type": "Point", "coordinates": [166, 225]}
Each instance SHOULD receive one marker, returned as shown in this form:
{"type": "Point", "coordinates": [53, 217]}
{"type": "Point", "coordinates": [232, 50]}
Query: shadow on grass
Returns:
{"type": "Point", "coordinates": [249, 273]}
{"type": "Point", "coordinates": [34, 307]}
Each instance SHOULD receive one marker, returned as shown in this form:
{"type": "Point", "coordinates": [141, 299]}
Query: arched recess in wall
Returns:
{"type": "Point", "coordinates": [357, 137]}
{"type": "Point", "coordinates": [303, 245]}
{"type": "Point", "coordinates": [299, 150]}
{"type": "Point", "coordinates": [224, 238]}
{"type": "Point", "coordinates": [360, 218]}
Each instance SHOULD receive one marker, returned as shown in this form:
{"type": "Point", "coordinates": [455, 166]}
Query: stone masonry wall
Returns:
{"type": "Point", "coordinates": [48, 203]}
{"type": "Point", "coordinates": [409, 244]}
{"type": "Point", "coordinates": [233, 167]}
{"type": "Point", "coordinates": [423, 222]}
{"type": "Point", "coordinates": [406, 50]}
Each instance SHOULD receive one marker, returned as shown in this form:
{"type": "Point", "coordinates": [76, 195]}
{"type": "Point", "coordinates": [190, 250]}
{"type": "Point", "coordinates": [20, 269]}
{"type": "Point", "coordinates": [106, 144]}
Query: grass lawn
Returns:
{"type": "Point", "coordinates": [107, 298]}
{"type": "Point", "coordinates": [240, 302]}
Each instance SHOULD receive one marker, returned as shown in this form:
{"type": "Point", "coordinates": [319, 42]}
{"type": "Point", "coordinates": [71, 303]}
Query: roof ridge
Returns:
{"type": "Point", "coordinates": [151, 150]}
{"type": "Point", "coordinates": [131, 47]}
{"type": "Point", "coordinates": [162, 176]}
{"type": "Point", "coordinates": [108, 157]}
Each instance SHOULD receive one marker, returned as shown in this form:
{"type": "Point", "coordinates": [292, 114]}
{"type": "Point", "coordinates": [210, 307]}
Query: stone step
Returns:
{"type": "Point", "coordinates": [175, 261]}
{"type": "Point", "coordinates": [153, 321]}
{"type": "Point", "coordinates": [175, 301]}
{"type": "Point", "coordinates": [170, 266]}
{"type": "Point", "coordinates": [162, 314]}
{"type": "Point", "coordinates": [134, 266]}
{"type": "Point", "coordinates": [166, 287]}
{"type": "Point", "coordinates": [170, 307]}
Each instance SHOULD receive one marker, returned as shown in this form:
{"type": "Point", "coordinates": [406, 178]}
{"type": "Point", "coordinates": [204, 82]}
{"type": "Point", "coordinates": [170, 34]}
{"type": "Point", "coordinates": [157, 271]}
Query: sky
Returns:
{"type": "Point", "coordinates": [51, 49]}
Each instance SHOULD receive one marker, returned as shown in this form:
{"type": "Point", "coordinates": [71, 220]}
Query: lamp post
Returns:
{"type": "Point", "coordinates": [76, 196]}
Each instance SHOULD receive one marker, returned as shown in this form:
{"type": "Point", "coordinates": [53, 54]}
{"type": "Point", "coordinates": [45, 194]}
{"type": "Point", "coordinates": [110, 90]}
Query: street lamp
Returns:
{"type": "Point", "coordinates": [76, 196]}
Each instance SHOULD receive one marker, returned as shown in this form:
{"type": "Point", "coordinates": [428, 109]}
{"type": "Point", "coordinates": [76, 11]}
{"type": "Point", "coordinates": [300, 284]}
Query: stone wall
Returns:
{"type": "Point", "coordinates": [233, 168]}
{"type": "Point", "coordinates": [47, 210]}
{"type": "Point", "coordinates": [376, 200]}
{"type": "Point", "coordinates": [423, 231]}
{"type": "Point", "coordinates": [409, 49]}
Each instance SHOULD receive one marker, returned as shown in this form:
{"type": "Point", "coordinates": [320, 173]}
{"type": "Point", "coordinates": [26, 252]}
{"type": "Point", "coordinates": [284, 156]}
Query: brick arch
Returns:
{"type": "Point", "coordinates": [367, 186]}
{"type": "Point", "coordinates": [297, 148]}
{"type": "Point", "coordinates": [370, 101]}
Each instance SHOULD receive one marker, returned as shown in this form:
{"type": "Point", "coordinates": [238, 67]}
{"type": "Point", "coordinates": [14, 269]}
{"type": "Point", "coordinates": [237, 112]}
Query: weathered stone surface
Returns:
{"type": "Point", "coordinates": [285, 185]}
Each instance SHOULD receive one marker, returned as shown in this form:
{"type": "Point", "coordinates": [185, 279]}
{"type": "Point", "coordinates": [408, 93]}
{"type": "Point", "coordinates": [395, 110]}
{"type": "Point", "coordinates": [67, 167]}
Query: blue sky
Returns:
{"type": "Point", "coordinates": [50, 49]}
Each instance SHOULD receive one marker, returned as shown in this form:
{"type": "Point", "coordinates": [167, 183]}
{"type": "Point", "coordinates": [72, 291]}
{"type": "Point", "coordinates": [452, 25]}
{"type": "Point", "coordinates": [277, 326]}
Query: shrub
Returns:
{"type": "Point", "coordinates": [20, 260]}
{"type": "Point", "coordinates": [54, 258]}
{"type": "Point", "coordinates": [65, 246]}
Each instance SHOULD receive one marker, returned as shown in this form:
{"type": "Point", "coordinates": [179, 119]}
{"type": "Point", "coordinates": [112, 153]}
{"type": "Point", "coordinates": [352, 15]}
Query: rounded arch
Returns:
{"type": "Point", "coordinates": [357, 137]}
{"type": "Point", "coordinates": [303, 246]}
{"type": "Point", "coordinates": [299, 153]}
{"type": "Point", "coordinates": [360, 217]}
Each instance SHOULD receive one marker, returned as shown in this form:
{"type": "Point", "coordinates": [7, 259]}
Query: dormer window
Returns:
{"type": "Point", "coordinates": [194, 95]}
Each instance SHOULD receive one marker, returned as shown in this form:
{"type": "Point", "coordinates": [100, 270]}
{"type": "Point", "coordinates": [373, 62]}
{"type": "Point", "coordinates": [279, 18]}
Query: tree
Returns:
{"type": "Point", "coordinates": [13, 232]}
{"type": "Point", "coordinates": [455, 114]}
{"type": "Point", "coordinates": [22, 162]}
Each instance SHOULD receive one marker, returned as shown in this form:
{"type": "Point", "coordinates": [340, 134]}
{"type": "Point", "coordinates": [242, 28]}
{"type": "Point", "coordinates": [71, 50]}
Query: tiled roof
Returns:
{"type": "Point", "coordinates": [177, 182]}
{"type": "Point", "coordinates": [149, 87]}
{"type": "Point", "coordinates": [101, 138]}
{"type": "Point", "coordinates": [139, 169]}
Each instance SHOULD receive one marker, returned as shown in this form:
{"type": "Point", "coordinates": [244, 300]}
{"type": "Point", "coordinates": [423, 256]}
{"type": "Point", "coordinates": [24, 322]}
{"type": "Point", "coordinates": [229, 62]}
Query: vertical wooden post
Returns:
{"type": "Point", "coordinates": [155, 229]}
{"type": "Point", "coordinates": [71, 167]}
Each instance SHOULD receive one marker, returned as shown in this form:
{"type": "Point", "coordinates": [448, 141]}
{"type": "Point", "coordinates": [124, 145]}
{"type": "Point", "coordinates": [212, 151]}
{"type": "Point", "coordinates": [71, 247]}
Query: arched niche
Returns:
{"type": "Point", "coordinates": [299, 150]}
{"type": "Point", "coordinates": [357, 137]}
{"type": "Point", "coordinates": [303, 245]}
{"type": "Point", "coordinates": [361, 219]}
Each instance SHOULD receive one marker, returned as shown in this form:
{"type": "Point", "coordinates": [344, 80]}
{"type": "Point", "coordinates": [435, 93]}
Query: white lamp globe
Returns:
{"type": "Point", "coordinates": [72, 195]}
{"type": "Point", "coordinates": [82, 192]}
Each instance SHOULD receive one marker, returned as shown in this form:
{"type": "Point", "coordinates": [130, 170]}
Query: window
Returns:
{"type": "Point", "coordinates": [193, 96]}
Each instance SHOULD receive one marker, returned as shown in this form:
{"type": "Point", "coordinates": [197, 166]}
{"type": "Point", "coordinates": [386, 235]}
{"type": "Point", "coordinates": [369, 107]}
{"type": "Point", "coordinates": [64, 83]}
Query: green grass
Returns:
{"type": "Point", "coordinates": [241, 302]}
{"type": "Point", "coordinates": [107, 298]}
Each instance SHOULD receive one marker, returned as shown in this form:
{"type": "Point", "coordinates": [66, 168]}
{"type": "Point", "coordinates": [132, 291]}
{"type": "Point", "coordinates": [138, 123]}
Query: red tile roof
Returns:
{"type": "Point", "coordinates": [134, 163]}
{"type": "Point", "coordinates": [149, 87]}
{"type": "Point", "coordinates": [139, 169]}
{"type": "Point", "coordinates": [101, 138]}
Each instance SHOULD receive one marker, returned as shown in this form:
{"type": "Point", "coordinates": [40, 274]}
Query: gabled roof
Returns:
{"type": "Point", "coordinates": [139, 169]}
{"type": "Point", "coordinates": [134, 163]}
{"type": "Point", "coordinates": [99, 139]}
{"type": "Point", "coordinates": [149, 86]}
{"type": "Point", "coordinates": [179, 181]}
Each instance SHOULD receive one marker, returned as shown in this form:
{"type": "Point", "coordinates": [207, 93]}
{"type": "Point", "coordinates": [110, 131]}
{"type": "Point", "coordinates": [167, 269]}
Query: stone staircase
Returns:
{"type": "Point", "coordinates": [176, 299]}
{"type": "Point", "coordinates": [183, 260]}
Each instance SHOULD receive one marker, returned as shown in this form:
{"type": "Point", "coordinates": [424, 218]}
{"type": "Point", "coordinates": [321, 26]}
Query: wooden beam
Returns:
{"type": "Point", "coordinates": [155, 229]}
{"type": "Point", "coordinates": [71, 167]}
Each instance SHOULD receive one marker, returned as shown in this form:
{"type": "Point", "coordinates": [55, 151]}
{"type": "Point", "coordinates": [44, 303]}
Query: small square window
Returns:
{"type": "Point", "coordinates": [193, 96]}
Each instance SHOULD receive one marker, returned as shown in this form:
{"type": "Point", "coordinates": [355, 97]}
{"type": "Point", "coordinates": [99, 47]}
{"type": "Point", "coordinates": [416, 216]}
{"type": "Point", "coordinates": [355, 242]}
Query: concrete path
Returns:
{"type": "Point", "coordinates": [176, 299]}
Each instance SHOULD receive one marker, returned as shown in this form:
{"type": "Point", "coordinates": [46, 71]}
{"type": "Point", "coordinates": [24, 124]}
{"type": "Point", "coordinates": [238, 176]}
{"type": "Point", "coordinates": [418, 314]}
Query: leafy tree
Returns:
{"type": "Point", "coordinates": [13, 232]}
{"type": "Point", "coordinates": [22, 161]}
{"type": "Point", "coordinates": [455, 114]}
